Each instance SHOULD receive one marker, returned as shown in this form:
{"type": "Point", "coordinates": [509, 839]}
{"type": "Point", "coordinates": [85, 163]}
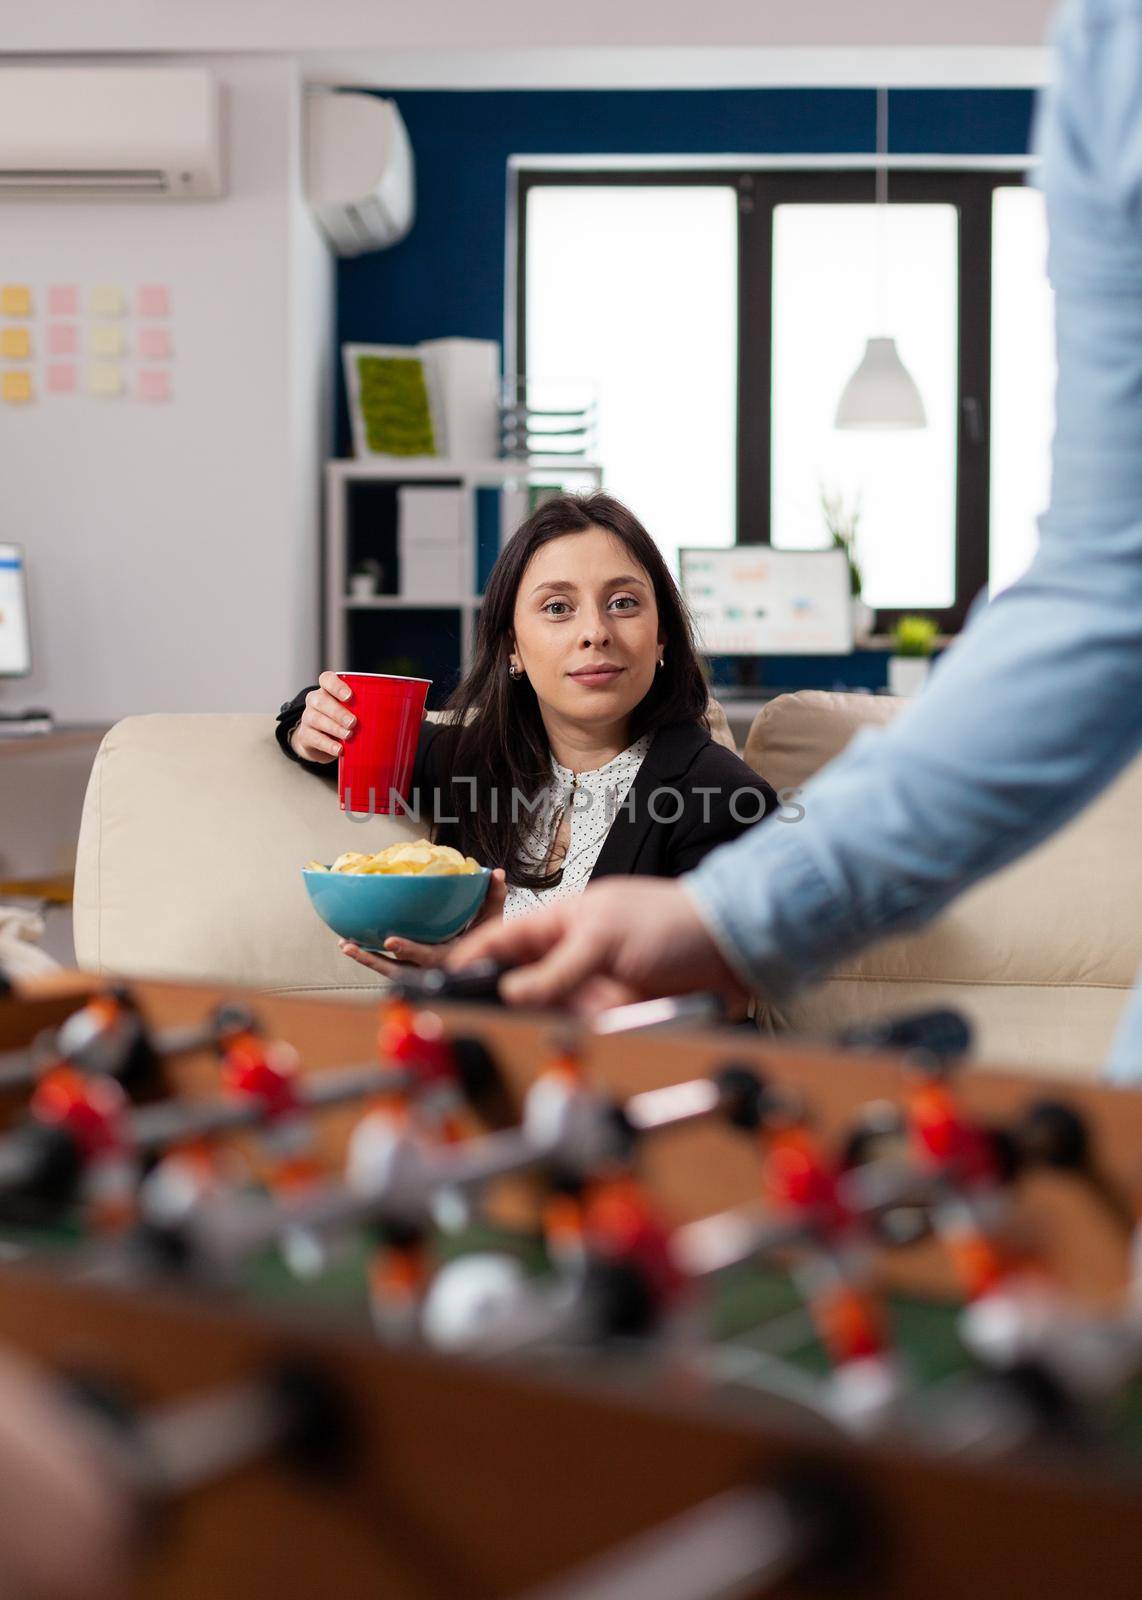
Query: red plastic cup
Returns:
{"type": "Point", "coordinates": [374, 772]}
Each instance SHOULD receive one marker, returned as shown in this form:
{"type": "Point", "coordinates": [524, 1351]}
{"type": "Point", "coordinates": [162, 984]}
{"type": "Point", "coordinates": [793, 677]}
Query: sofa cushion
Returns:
{"type": "Point", "coordinates": [1041, 955]}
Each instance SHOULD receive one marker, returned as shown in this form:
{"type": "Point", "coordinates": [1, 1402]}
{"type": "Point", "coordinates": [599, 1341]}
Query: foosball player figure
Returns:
{"type": "Point", "coordinates": [629, 1265]}
{"type": "Point", "coordinates": [267, 1072]}
{"type": "Point", "coordinates": [448, 1076]}
{"type": "Point", "coordinates": [1051, 1136]}
{"type": "Point", "coordinates": [392, 1141]}
{"type": "Point", "coordinates": [187, 1177]}
{"type": "Point", "coordinates": [833, 1266]}
{"type": "Point", "coordinates": [93, 1158]}
{"type": "Point", "coordinates": [109, 1036]}
{"type": "Point", "coordinates": [546, 1108]}
{"type": "Point", "coordinates": [106, 1036]}
{"type": "Point", "coordinates": [967, 1162]}
{"type": "Point", "coordinates": [599, 1223]}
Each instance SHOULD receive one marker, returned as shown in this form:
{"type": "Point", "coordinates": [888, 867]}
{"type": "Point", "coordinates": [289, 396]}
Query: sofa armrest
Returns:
{"type": "Point", "coordinates": [193, 836]}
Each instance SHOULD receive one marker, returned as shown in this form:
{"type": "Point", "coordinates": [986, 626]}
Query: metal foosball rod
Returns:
{"type": "Point", "coordinates": [43, 1160]}
{"type": "Point", "coordinates": [292, 1412]}
{"type": "Point", "coordinates": [80, 1116]}
{"type": "Point", "coordinates": [109, 1035]}
{"type": "Point", "coordinates": [738, 1544]}
{"type": "Point", "coordinates": [743, 1542]}
{"type": "Point", "coordinates": [480, 982]}
{"type": "Point", "coordinates": [576, 1134]}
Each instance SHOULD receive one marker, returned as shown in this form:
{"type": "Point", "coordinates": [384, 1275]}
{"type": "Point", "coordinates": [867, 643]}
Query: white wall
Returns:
{"type": "Point", "coordinates": [172, 548]}
{"type": "Point", "coordinates": [293, 25]}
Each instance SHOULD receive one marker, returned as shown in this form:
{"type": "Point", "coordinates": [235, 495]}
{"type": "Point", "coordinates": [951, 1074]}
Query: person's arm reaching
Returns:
{"type": "Point", "coordinates": [1041, 703]}
{"type": "Point", "coordinates": [1036, 709]}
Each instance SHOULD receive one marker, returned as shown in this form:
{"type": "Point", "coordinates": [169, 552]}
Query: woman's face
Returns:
{"type": "Point", "coordinates": [586, 628]}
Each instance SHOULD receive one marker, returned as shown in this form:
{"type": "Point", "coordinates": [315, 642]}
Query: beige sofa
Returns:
{"type": "Point", "coordinates": [194, 828]}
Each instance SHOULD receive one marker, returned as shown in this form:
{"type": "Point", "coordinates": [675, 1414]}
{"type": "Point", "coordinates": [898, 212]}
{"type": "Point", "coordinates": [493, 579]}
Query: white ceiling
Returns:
{"type": "Point", "coordinates": [675, 68]}
{"type": "Point", "coordinates": [509, 42]}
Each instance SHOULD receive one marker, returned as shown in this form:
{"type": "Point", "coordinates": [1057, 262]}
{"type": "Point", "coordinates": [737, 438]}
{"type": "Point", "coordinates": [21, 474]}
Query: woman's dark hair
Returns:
{"type": "Point", "coordinates": [500, 739]}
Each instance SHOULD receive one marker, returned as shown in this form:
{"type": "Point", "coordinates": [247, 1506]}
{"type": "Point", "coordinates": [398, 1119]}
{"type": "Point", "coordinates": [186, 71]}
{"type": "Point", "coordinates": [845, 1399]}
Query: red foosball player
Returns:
{"type": "Point", "coordinates": [416, 1041]}
{"type": "Point", "coordinates": [622, 1228]}
{"type": "Point", "coordinates": [92, 1112]}
{"type": "Point", "coordinates": [267, 1073]}
{"type": "Point", "coordinates": [833, 1268]}
{"type": "Point", "coordinates": [964, 1157]}
{"type": "Point", "coordinates": [106, 1036]}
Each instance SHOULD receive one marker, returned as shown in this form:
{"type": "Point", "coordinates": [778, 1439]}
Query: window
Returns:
{"type": "Point", "coordinates": [1022, 381]}
{"type": "Point", "coordinates": [637, 289]}
{"type": "Point", "coordinates": [840, 275]}
{"type": "Point", "coordinates": [722, 312]}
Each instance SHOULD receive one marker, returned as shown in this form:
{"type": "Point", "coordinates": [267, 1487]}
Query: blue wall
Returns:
{"type": "Point", "coordinates": [447, 277]}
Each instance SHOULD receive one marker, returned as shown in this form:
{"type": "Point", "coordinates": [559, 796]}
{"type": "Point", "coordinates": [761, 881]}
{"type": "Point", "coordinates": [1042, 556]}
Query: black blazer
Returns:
{"type": "Point", "coordinates": [683, 759]}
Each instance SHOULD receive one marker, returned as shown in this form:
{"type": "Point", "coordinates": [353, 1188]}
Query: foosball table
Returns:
{"type": "Point", "coordinates": [434, 1301]}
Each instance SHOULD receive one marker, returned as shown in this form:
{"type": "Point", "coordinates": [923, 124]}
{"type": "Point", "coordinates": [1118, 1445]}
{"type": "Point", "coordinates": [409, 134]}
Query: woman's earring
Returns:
{"type": "Point", "coordinates": [515, 674]}
{"type": "Point", "coordinates": [660, 663]}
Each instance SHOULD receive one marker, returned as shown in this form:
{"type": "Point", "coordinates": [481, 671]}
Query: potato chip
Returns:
{"type": "Point", "coordinates": [350, 861]}
{"type": "Point", "coordinates": [315, 866]}
{"type": "Point", "coordinates": [419, 857]}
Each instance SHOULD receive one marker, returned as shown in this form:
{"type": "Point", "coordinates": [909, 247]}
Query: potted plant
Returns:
{"type": "Point", "coordinates": [913, 640]}
{"type": "Point", "coordinates": [365, 579]}
{"type": "Point", "coordinates": [842, 522]}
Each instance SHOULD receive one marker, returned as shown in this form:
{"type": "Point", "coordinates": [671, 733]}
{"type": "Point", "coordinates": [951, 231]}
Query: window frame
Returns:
{"type": "Point", "coordinates": [760, 190]}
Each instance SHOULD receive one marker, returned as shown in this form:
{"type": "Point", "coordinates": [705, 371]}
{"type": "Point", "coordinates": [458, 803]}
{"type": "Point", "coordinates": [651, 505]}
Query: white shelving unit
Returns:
{"type": "Point", "coordinates": [467, 475]}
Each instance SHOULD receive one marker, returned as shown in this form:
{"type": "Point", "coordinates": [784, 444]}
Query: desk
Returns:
{"type": "Point", "coordinates": [43, 779]}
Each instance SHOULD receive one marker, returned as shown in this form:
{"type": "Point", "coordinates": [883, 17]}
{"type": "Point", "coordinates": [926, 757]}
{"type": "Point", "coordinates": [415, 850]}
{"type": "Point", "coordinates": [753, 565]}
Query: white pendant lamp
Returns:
{"type": "Point", "coordinates": [882, 393]}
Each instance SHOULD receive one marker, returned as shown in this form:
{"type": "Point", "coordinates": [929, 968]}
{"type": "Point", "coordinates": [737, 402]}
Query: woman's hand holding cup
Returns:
{"type": "Point", "coordinates": [325, 722]}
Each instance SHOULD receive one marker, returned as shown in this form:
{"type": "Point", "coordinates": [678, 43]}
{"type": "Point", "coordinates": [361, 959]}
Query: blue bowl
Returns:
{"type": "Point", "coordinates": [369, 908]}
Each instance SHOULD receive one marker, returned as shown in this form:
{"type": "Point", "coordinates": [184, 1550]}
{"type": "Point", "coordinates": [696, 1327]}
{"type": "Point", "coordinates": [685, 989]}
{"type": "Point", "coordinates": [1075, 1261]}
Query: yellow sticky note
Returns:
{"type": "Point", "coordinates": [104, 377]}
{"type": "Point", "coordinates": [15, 344]}
{"type": "Point", "coordinates": [107, 300]}
{"type": "Point", "coordinates": [16, 387]}
{"type": "Point", "coordinates": [15, 300]}
{"type": "Point", "coordinates": [107, 341]}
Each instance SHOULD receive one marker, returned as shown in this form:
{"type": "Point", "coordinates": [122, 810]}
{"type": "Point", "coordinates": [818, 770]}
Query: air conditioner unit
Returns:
{"type": "Point", "coordinates": [109, 133]}
{"type": "Point", "coordinates": [359, 171]}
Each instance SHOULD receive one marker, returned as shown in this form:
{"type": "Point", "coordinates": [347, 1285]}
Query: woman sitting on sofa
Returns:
{"type": "Point", "coordinates": [577, 746]}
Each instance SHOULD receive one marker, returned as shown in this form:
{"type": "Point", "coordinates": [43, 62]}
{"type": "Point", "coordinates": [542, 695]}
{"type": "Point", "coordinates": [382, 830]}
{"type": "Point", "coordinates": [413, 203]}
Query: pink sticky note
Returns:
{"type": "Point", "coordinates": [63, 339]}
{"type": "Point", "coordinates": [61, 378]}
{"type": "Point", "coordinates": [154, 384]}
{"type": "Point", "coordinates": [154, 344]}
{"type": "Point", "coordinates": [154, 300]}
{"type": "Point", "coordinates": [63, 300]}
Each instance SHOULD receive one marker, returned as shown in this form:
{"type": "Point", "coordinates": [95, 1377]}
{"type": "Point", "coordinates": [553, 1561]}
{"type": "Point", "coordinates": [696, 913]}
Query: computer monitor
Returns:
{"type": "Point", "coordinates": [753, 600]}
{"type": "Point", "coordinates": [15, 642]}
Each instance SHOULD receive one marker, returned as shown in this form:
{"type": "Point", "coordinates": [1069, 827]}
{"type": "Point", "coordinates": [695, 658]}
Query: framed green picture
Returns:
{"type": "Point", "coordinates": [393, 402]}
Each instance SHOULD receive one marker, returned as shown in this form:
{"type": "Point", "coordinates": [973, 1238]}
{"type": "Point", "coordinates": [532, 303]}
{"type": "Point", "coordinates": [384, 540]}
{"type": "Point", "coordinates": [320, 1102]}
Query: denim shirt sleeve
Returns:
{"type": "Point", "coordinates": [1039, 704]}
